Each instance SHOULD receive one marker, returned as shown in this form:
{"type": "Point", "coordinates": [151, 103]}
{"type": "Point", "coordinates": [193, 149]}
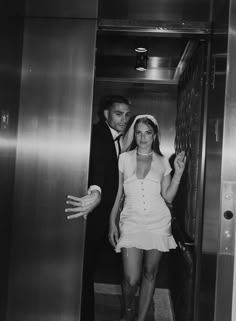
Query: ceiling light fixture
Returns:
{"type": "Point", "coordinates": [141, 53]}
{"type": "Point", "coordinates": [141, 60]}
{"type": "Point", "coordinates": [140, 49]}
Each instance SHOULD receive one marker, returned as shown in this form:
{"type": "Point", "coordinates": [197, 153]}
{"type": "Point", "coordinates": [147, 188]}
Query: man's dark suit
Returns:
{"type": "Point", "coordinates": [104, 173]}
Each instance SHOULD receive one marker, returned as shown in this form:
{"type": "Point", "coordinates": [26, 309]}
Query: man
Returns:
{"type": "Point", "coordinates": [103, 182]}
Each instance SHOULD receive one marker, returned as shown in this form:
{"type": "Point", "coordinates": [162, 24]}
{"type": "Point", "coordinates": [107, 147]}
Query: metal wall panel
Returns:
{"type": "Point", "coordinates": [62, 8]}
{"type": "Point", "coordinates": [225, 286]}
{"type": "Point", "coordinates": [210, 232]}
{"type": "Point", "coordinates": [11, 38]}
{"type": "Point", "coordinates": [211, 217]}
{"type": "Point", "coordinates": [51, 162]}
{"type": "Point", "coordinates": [50, 8]}
{"type": "Point", "coordinates": [158, 10]}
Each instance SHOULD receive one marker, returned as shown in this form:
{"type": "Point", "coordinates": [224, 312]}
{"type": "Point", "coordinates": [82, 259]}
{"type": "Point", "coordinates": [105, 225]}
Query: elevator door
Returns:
{"type": "Point", "coordinates": [226, 277]}
{"type": "Point", "coordinates": [51, 162]}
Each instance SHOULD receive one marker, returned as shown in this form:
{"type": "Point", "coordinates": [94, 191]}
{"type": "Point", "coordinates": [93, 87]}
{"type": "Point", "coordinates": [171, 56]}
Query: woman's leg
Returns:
{"type": "Point", "coordinates": [150, 267]}
{"type": "Point", "coordinates": [132, 265]}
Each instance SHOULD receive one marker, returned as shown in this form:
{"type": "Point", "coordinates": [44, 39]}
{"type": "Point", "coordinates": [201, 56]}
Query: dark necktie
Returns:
{"type": "Point", "coordinates": [117, 140]}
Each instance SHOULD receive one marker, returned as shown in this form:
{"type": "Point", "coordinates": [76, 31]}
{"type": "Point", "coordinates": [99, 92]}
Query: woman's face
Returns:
{"type": "Point", "coordinates": [144, 136]}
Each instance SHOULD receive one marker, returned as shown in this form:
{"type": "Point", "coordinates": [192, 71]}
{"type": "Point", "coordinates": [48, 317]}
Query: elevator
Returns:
{"type": "Point", "coordinates": [172, 88]}
{"type": "Point", "coordinates": [57, 61]}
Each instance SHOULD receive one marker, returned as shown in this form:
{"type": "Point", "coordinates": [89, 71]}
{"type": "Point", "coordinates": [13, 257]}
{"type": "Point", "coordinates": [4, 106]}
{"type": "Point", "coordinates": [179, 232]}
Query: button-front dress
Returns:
{"type": "Point", "coordinates": [145, 221]}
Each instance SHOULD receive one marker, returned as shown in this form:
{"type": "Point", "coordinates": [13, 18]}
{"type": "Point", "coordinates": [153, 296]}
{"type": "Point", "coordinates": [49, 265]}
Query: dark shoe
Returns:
{"type": "Point", "coordinates": [129, 315]}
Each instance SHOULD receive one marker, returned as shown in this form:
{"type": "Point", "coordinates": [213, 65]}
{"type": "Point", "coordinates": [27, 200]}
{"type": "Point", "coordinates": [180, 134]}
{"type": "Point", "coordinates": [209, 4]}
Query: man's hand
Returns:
{"type": "Point", "coordinates": [82, 206]}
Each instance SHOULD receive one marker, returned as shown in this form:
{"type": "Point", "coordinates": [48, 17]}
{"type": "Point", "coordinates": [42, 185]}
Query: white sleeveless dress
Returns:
{"type": "Point", "coordinates": [145, 221]}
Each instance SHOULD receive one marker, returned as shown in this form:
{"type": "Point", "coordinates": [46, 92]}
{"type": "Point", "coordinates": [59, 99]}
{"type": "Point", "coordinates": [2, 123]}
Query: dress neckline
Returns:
{"type": "Point", "coordinates": [142, 179]}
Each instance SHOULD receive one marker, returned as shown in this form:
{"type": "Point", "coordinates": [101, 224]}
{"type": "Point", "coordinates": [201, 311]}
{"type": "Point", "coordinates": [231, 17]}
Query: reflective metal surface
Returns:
{"type": "Point", "coordinates": [11, 38]}
{"type": "Point", "coordinates": [163, 28]}
{"type": "Point", "coordinates": [50, 8]}
{"type": "Point", "coordinates": [211, 217]}
{"type": "Point", "coordinates": [225, 287]}
{"type": "Point", "coordinates": [51, 162]}
{"type": "Point", "coordinates": [62, 8]}
{"type": "Point", "coordinates": [158, 10]}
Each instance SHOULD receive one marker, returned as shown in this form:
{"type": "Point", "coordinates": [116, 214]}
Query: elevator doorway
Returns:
{"type": "Point", "coordinates": [172, 88]}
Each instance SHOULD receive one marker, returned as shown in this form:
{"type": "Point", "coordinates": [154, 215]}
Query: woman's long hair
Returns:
{"type": "Point", "coordinates": [156, 142]}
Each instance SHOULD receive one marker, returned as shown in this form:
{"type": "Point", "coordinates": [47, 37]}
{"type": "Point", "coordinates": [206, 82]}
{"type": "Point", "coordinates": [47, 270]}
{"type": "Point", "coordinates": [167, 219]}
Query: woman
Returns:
{"type": "Point", "coordinates": [145, 221]}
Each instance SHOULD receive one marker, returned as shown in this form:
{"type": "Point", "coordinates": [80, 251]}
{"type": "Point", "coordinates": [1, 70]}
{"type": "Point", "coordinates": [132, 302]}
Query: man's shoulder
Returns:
{"type": "Point", "coordinates": [99, 126]}
{"type": "Point", "coordinates": [101, 130]}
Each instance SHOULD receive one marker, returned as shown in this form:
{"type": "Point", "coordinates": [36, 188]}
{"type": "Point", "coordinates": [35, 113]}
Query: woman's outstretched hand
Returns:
{"type": "Point", "coordinates": [113, 235]}
{"type": "Point", "coordinates": [179, 163]}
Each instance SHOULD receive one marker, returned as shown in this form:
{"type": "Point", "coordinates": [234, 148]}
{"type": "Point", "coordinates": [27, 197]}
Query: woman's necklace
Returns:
{"type": "Point", "coordinates": [144, 154]}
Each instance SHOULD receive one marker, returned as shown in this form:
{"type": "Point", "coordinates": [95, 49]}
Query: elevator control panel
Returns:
{"type": "Point", "coordinates": [228, 204]}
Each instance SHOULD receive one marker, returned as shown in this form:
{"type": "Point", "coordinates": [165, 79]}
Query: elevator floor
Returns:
{"type": "Point", "coordinates": [108, 304]}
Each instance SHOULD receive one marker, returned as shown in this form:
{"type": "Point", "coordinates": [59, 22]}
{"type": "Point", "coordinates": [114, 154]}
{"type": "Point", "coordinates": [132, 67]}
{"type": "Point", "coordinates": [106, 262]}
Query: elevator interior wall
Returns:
{"type": "Point", "coordinates": [161, 13]}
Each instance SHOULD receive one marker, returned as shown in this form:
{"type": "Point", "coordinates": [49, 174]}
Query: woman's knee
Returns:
{"type": "Point", "coordinates": [150, 273]}
{"type": "Point", "coordinates": [131, 281]}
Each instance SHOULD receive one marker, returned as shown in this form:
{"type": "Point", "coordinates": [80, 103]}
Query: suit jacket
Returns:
{"type": "Point", "coordinates": [103, 172]}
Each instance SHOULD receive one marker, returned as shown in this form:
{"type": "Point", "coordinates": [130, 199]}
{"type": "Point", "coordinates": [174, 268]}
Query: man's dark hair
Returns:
{"type": "Point", "coordinates": [107, 102]}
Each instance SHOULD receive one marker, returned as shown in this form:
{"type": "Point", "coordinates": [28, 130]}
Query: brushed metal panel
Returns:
{"type": "Point", "coordinates": [12, 8]}
{"type": "Point", "coordinates": [226, 251]}
{"type": "Point", "coordinates": [62, 8]}
{"type": "Point", "coordinates": [224, 289]}
{"type": "Point", "coordinates": [50, 8]}
{"type": "Point", "coordinates": [211, 218]}
{"type": "Point", "coordinates": [51, 162]}
{"type": "Point", "coordinates": [11, 38]}
{"type": "Point", "coordinates": [227, 235]}
{"type": "Point", "coordinates": [160, 10]}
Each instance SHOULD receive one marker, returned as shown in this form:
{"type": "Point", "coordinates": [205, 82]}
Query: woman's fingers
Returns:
{"type": "Point", "coordinates": [181, 159]}
{"type": "Point", "coordinates": [113, 238]}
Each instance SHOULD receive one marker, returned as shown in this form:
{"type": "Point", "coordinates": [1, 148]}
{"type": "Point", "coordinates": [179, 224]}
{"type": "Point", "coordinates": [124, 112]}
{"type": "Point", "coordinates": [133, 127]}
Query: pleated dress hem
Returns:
{"type": "Point", "coordinates": [146, 241]}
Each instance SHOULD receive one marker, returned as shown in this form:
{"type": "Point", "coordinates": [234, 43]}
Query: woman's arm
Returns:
{"type": "Point", "coordinates": [113, 231]}
{"type": "Point", "coordinates": [169, 187]}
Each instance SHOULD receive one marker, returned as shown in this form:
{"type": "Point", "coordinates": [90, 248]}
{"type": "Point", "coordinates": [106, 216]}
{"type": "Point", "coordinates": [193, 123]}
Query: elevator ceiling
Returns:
{"type": "Point", "coordinates": [119, 23]}
{"type": "Point", "coordinates": [167, 57]}
{"type": "Point", "coordinates": [182, 13]}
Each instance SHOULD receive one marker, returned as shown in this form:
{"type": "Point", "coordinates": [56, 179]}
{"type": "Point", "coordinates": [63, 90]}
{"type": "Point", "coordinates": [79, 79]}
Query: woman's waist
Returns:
{"type": "Point", "coordinates": [145, 223]}
{"type": "Point", "coordinates": [153, 200]}
{"type": "Point", "coordinates": [141, 209]}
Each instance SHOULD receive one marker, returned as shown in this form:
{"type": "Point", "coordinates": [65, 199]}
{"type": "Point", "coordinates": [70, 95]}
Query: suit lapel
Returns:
{"type": "Point", "coordinates": [108, 139]}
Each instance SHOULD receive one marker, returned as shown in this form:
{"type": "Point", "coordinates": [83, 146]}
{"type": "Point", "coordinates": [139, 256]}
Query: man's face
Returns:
{"type": "Point", "coordinates": [118, 116]}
